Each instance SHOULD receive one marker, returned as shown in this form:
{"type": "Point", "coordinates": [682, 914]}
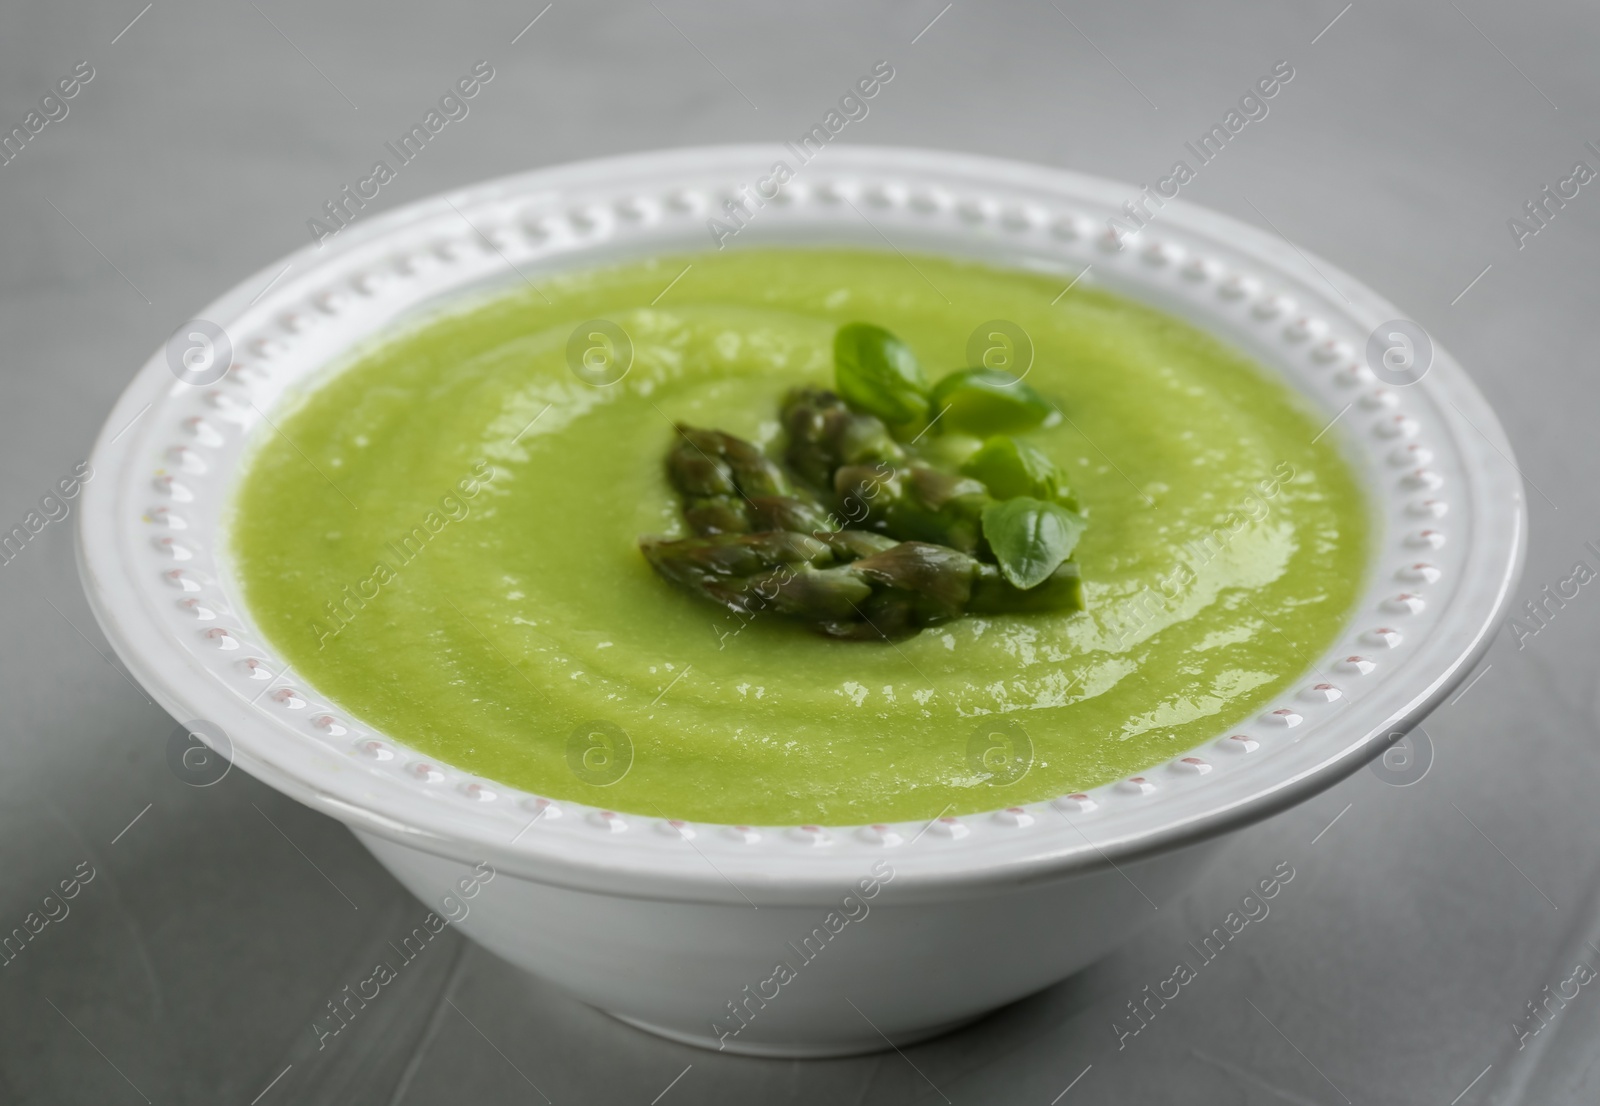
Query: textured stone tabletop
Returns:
{"type": "Point", "coordinates": [208, 926]}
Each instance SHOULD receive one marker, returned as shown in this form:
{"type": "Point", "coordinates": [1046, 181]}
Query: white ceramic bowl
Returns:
{"type": "Point", "coordinates": [678, 927]}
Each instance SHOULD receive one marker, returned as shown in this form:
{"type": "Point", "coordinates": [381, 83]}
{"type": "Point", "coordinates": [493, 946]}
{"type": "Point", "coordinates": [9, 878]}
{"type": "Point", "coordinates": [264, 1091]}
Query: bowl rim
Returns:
{"type": "Point", "coordinates": [1240, 282]}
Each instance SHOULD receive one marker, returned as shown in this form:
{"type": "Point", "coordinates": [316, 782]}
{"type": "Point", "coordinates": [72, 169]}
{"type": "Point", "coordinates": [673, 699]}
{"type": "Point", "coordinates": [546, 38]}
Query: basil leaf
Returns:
{"type": "Point", "coordinates": [989, 401]}
{"type": "Point", "coordinates": [878, 374]}
{"type": "Point", "coordinates": [1030, 537]}
{"type": "Point", "coordinates": [949, 451]}
{"type": "Point", "coordinates": [1009, 468]}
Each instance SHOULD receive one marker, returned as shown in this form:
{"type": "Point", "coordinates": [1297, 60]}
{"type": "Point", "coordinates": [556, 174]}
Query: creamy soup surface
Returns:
{"type": "Point", "coordinates": [443, 540]}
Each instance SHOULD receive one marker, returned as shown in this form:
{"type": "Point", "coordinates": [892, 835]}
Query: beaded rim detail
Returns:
{"type": "Point", "coordinates": [1449, 532]}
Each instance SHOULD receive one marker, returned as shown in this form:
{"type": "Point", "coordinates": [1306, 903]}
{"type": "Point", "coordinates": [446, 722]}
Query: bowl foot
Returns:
{"type": "Point", "coordinates": [799, 1050]}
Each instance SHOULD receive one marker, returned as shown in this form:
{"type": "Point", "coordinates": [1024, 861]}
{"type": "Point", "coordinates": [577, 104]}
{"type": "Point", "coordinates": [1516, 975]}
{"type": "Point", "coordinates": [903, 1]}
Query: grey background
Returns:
{"type": "Point", "coordinates": [1390, 970]}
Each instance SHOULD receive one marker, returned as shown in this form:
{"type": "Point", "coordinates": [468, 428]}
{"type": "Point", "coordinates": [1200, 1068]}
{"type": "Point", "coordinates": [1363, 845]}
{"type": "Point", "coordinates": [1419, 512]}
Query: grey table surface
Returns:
{"type": "Point", "coordinates": [1397, 966]}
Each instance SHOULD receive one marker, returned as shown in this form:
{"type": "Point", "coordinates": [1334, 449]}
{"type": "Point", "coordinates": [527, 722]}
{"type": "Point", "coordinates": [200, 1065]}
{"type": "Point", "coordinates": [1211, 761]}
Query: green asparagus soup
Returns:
{"type": "Point", "coordinates": [442, 536]}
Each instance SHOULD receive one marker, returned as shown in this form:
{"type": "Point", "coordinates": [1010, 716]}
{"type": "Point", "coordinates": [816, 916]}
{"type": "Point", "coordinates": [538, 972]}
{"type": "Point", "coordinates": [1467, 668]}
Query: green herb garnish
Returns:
{"type": "Point", "coordinates": [989, 401]}
{"type": "Point", "coordinates": [1030, 537]}
{"type": "Point", "coordinates": [1009, 468]}
{"type": "Point", "coordinates": [877, 374]}
{"type": "Point", "coordinates": [865, 536]}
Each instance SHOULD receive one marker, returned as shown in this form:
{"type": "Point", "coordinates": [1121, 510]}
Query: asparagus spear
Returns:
{"type": "Point", "coordinates": [874, 482]}
{"type": "Point", "coordinates": [730, 487]}
{"type": "Point", "coordinates": [915, 503]}
{"type": "Point", "coordinates": [908, 552]}
{"type": "Point", "coordinates": [825, 434]}
{"type": "Point", "coordinates": [850, 584]}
